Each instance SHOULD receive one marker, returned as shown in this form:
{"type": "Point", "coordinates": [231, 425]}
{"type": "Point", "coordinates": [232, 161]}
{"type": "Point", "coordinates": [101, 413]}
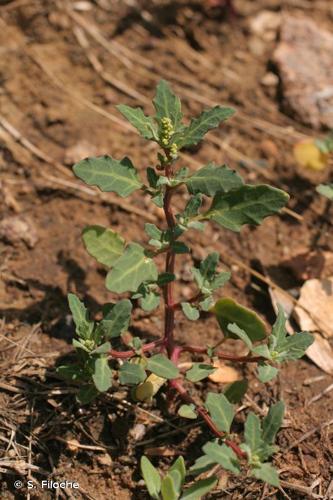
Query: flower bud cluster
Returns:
{"type": "Point", "coordinates": [167, 131]}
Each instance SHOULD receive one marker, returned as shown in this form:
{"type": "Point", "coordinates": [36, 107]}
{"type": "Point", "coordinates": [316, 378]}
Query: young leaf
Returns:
{"type": "Point", "coordinates": [109, 175]}
{"type": "Point", "coordinates": [208, 265]}
{"type": "Point", "coordinates": [207, 120]}
{"type": "Point", "coordinates": [131, 374]}
{"type": "Point", "coordinates": [131, 270]}
{"type": "Point", "coordinates": [151, 477]}
{"type": "Point", "coordinates": [103, 244]}
{"type": "Point", "coordinates": [102, 376]}
{"type": "Point", "coordinates": [266, 373]}
{"type": "Point", "coordinates": [153, 231]}
{"type": "Point", "coordinates": [87, 394]}
{"type": "Point", "coordinates": [229, 311]}
{"type": "Point", "coordinates": [233, 328]}
{"type": "Point", "coordinates": [84, 326]}
{"type": "Point", "coordinates": [190, 311]}
{"type": "Point", "coordinates": [223, 455]}
{"type": "Point", "coordinates": [199, 489]}
{"type": "Point", "coordinates": [150, 301]}
{"type": "Point", "coordinates": [192, 207]}
{"type": "Point", "coordinates": [170, 487]}
{"type": "Point", "coordinates": [199, 371]}
{"type": "Point", "coordinates": [179, 465]}
{"type": "Point", "coordinates": [160, 365]}
{"type": "Point", "coordinates": [252, 432]}
{"type": "Point", "coordinates": [187, 411]}
{"type": "Point", "coordinates": [117, 319]}
{"type": "Point", "coordinates": [272, 422]}
{"type": "Point", "coordinates": [220, 410]}
{"type": "Point", "coordinates": [212, 179]}
{"type": "Point", "coordinates": [266, 473]}
{"type": "Point", "coordinates": [245, 205]}
{"type": "Point", "coordinates": [235, 391]}
{"type": "Point", "coordinates": [102, 349]}
{"type": "Point", "coordinates": [144, 124]}
{"type": "Point", "coordinates": [202, 464]}
{"type": "Point", "coordinates": [167, 104]}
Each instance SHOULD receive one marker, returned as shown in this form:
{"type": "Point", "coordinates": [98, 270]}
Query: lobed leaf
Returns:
{"type": "Point", "coordinates": [221, 411]}
{"type": "Point", "coordinates": [144, 124]}
{"type": "Point", "coordinates": [84, 326]}
{"type": "Point", "coordinates": [167, 104]}
{"type": "Point", "coordinates": [117, 319]}
{"type": "Point", "coordinates": [190, 311]}
{"type": "Point", "coordinates": [131, 270]}
{"type": "Point", "coordinates": [266, 373]}
{"type": "Point", "coordinates": [103, 244]}
{"type": "Point", "coordinates": [245, 205]}
{"type": "Point", "coordinates": [229, 311]}
{"type": "Point", "coordinates": [187, 411]}
{"type": "Point", "coordinates": [212, 179]}
{"type": "Point", "coordinates": [207, 120]}
{"type": "Point", "coordinates": [109, 175]}
{"type": "Point", "coordinates": [272, 422]}
{"type": "Point", "coordinates": [222, 455]}
{"type": "Point", "coordinates": [267, 473]}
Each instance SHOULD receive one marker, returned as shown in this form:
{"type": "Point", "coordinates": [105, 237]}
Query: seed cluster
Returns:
{"type": "Point", "coordinates": [166, 134]}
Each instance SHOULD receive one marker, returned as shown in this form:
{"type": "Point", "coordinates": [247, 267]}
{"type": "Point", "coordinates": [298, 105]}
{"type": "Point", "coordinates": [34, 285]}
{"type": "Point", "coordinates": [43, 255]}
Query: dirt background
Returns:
{"type": "Point", "coordinates": [63, 68]}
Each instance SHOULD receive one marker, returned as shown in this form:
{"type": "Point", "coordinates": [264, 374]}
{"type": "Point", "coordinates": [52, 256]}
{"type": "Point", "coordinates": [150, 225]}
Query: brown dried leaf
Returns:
{"type": "Point", "coordinates": [224, 374]}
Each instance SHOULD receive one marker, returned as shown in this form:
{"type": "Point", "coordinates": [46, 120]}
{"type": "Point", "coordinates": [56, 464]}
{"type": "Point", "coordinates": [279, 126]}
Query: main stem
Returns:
{"type": "Point", "coordinates": [169, 320]}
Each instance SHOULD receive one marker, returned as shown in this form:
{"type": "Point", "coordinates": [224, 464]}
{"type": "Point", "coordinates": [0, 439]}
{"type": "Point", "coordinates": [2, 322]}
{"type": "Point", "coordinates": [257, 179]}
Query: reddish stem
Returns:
{"type": "Point", "coordinates": [131, 352]}
{"type": "Point", "coordinates": [223, 355]}
{"type": "Point", "coordinates": [177, 385]}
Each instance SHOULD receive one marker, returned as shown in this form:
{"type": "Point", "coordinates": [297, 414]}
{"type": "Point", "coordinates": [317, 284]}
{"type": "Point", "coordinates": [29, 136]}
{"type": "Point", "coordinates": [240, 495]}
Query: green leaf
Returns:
{"type": "Point", "coordinates": [165, 278]}
{"type": "Point", "coordinates": [272, 422]}
{"type": "Point", "coordinates": [212, 179]}
{"type": "Point", "coordinates": [190, 311]}
{"type": "Point", "coordinates": [252, 432]}
{"type": "Point", "coordinates": [84, 326]}
{"type": "Point", "coordinates": [187, 411]}
{"type": "Point", "coordinates": [266, 373]}
{"type": "Point", "coordinates": [267, 473]}
{"type": "Point", "coordinates": [153, 231]}
{"type": "Point", "coordinates": [235, 391]}
{"type": "Point", "coordinates": [223, 455]}
{"type": "Point", "coordinates": [207, 120]}
{"type": "Point", "coordinates": [103, 244]}
{"type": "Point", "coordinates": [102, 349]}
{"type": "Point", "coordinates": [180, 247]}
{"type": "Point", "coordinates": [167, 104]}
{"type": "Point", "coordinates": [229, 311]}
{"type": "Point", "coordinates": [208, 265]}
{"type": "Point", "coordinates": [202, 464]}
{"type": "Point", "coordinates": [162, 366]}
{"type": "Point", "coordinates": [294, 347]}
{"type": "Point", "coordinates": [131, 374]}
{"type": "Point", "coordinates": [245, 205]}
{"type": "Point", "coordinates": [279, 331]}
{"type": "Point", "coordinates": [233, 328]}
{"type": "Point", "coordinates": [152, 177]}
{"type": "Point", "coordinates": [179, 465]}
{"type": "Point", "coordinates": [131, 270]}
{"type": "Point", "coordinates": [109, 175]}
{"type": "Point", "coordinates": [171, 485]}
{"type": "Point", "coordinates": [262, 350]}
{"type": "Point", "coordinates": [199, 489]}
{"type": "Point", "coordinates": [102, 376]}
{"type": "Point", "coordinates": [87, 394]}
{"type": "Point", "coordinates": [192, 207]}
{"type": "Point", "coordinates": [151, 477]}
{"type": "Point", "coordinates": [220, 410]}
{"type": "Point", "coordinates": [220, 280]}
{"type": "Point", "coordinates": [325, 190]}
{"type": "Point", "coordinates": [199, 371]}
{"type": "Point", "coordinates": [117, 319]}
{"type": "Point", "coordinates": [206, 304]}
{"type": "Point", "coordinates": [144, 124]}
{"type": "Point", "coordinates": [150, 301]}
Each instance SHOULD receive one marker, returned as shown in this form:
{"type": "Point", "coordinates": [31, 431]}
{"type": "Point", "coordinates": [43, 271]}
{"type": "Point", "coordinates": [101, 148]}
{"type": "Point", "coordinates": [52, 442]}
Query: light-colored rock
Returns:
{"type": "Point", "coordinates": [265, 24]}
{"type": "Point", "coordinates": [304, 58]}
{"type": "Point", "coordinates": [15, 228]}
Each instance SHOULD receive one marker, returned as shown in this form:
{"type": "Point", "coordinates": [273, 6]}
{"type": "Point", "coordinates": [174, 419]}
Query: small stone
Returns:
{"type": "Point", "coordinates": [270, 80]}
{"type": "Point", "coordinates": [137, 432]}
{"type": "Point", "coordinates": [265, 25]}
{"type": "Point", "coordinates": [15, 228]}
